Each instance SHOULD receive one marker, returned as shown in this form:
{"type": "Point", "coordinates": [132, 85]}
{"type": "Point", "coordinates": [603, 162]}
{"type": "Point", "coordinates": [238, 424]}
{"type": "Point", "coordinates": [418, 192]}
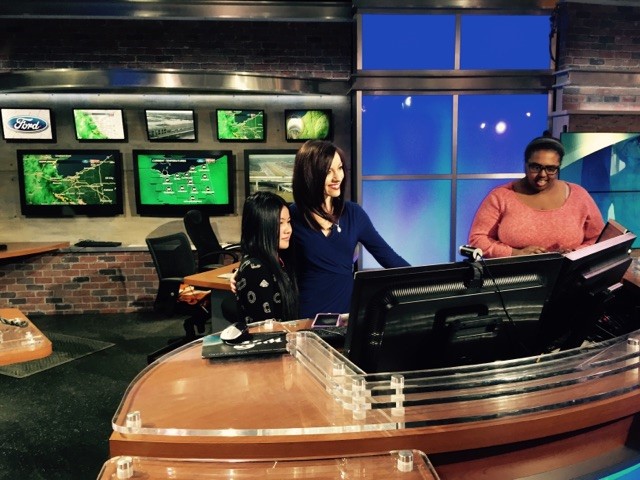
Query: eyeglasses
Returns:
{"type": "Point", "coordinates": [537, 168]}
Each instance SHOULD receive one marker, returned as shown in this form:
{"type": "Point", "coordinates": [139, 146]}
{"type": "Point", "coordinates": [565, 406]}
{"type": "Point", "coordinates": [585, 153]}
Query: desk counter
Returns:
{"type": "Point", "coordinates": [556, 408]}
{"type": "Point", "coordinates": [22, 249]}
{"type": "Point", "coordinates": [21, 344]}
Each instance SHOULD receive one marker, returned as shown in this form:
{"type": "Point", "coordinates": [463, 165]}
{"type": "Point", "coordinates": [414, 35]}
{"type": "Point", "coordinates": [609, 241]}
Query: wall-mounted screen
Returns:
{"type": "Point", "coordinates": [27, 124]}
{"type": "Point", "coordinates": [168, 183]}
{"type": "Point", "coordinates": [240, 125]}
{"type": "Point", "coordinates": [170, 125]}
{"type": "Point", "coordinates": [608, 166]}
{"type": "Point", "coordinates": [99, 125]}
{"type": "Point", "coordinates": [56, 183]}
{"type": "Point", "coordinates": [301, 125]}
{"type": "Point", "coordinates": [270, 170]}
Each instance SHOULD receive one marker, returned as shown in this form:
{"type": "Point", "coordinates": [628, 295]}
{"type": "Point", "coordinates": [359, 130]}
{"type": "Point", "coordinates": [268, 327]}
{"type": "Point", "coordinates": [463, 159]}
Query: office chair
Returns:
{"type": "Point", "coordinates": [210, 253]}
{"type": "Point", "coordinates": [173, 259]}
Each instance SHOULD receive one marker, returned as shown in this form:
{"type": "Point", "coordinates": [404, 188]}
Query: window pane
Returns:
{"type": "Point", "coordinates": [408, 42]}
{"type": "Point", "coordinates": [504, 42]}
{"type": "Point", "coordinates": [493, 131]}
{"type": "Point", "coordinates": [469, 195]}
{"type": "Point", "coordinates": [406, 135]}
{"type": "Point", "coordinates": [413, 216]}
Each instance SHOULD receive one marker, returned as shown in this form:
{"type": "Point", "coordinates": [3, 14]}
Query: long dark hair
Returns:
{"type": "Point", "coordinates": [310, 170]}
{"type": "Point", "coordinates": [260, 238]}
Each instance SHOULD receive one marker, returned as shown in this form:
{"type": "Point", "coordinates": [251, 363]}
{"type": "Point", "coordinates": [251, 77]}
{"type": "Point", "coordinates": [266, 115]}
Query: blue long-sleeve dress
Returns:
{"type": "Point", "coordinates": [325, 263]}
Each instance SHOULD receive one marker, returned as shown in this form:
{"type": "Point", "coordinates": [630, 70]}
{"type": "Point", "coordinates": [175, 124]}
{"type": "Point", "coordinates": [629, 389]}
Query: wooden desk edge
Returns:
{"type": "Point", "coordinates": [211, 279]}
{"type": "Point", "coordinates": [22, 249]}
{"type": "Point", "coordinates": [42, 350]}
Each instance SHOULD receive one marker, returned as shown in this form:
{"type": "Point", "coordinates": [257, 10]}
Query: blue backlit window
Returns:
{"type": "Point", "coordinates": [493, 130]}
{"type": "Point", "coordinates": [408, 42]}
{"type": "Point", "coordinates": [407, 135]}
{"type": "Point", "coordinates": [491, 42]}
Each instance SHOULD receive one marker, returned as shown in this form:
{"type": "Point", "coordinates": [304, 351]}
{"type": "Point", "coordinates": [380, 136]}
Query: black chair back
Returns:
{"type": "Point", "coordinates": [210, 252]}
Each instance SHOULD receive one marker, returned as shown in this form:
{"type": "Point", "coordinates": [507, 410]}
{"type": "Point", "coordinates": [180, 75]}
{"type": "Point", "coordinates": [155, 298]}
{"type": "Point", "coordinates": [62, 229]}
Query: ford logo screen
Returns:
{"type": "Point", "coordinates": [27, 124]}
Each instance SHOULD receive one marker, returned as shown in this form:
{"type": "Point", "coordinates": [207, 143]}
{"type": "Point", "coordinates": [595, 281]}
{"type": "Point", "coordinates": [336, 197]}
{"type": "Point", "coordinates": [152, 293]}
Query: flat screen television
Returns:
{"type": "Point", "coordinates": [60, 183]}
{"type": "Point", "coordinates": [452, 314]}
{"type": "Point", "coordinates": [608, 166]}
{"type": "Point", "coordinates": [99, 125]}
{"type": "Point", "coordinates": [270, 170]}
{"type": "Point", "coordinates": [171, 125]}
{"type": "Point", "coordinates": [587, 283]}
{"type": "Point", "coordinates": [302, 125]}
{"type": "Point", "coordinates": [240, 125]}
{"type": "Point", "coordinates": [168, 183]}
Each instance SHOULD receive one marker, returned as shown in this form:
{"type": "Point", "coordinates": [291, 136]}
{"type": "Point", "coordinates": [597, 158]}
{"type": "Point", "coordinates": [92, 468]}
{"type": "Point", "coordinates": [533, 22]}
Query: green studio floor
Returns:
{"type": "Point", "coordinates": [55, 424]}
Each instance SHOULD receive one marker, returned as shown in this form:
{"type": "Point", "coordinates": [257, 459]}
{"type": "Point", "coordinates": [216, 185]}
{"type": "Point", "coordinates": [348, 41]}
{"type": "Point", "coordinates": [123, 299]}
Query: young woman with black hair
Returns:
{"type": "Point", "coordinates": [265, 283]}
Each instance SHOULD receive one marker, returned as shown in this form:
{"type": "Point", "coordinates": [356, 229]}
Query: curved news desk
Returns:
{"type": "Point", "coordinates": [498, 420]}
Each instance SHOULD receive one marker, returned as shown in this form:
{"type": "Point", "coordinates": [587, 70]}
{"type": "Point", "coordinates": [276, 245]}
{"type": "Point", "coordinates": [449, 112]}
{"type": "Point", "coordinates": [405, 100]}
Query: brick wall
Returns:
{"type": "Point", "coordinates": [599, 67]}
{"type": "Point", "coordinates": [297, 49]}
{"type": "Point", "coordinates": [73, 283]}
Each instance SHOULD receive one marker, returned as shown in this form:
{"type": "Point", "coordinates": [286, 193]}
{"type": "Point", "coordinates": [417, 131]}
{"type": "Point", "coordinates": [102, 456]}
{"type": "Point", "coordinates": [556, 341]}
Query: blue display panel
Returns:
{"type": "Point", "coordinates": [406, 135]}
{"type": "Point", "coordinates": [469, 195]}
{"type": "Point", "coordinates": [413, 216]}
{"type": "Point", "coordinates": [489, 42]}
{"type": "Point", "coordinates": [493, 131]}
{"type": "Point", "coordinates": [608, 166]}
{"type": "Point", "coordinates": [408, 42]}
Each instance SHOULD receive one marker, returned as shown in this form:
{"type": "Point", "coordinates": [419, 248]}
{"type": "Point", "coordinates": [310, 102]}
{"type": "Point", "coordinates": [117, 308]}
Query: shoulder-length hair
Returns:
{"type": "Point", "coordinates": [260, 238]}
{"type": "Point", "coordinates": [310, 170]}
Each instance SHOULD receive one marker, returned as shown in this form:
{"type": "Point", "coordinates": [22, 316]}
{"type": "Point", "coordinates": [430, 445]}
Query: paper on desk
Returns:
{"type": "Point", "coordinates": [228, 276]}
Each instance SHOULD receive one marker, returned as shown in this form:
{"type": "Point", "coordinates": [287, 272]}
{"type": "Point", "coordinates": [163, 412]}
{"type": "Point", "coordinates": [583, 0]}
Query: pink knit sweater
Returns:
{"type": "Point", "coordinates": [503, 223]}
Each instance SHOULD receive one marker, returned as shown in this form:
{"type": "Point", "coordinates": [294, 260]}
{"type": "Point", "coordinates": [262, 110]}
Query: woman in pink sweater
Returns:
{"type": "Point", "coordinates": [538, 213]}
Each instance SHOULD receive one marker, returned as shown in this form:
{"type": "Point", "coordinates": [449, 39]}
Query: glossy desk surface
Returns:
{"type": "Point", "coordinates": [22, 249]}
{"type": "Point", "coordinates": [385, 466]}
{"type": "Point", "coordinates": [212, 278]}
{"type": "Point", "coordinates": [20, 344]}
{"type": "Point", "coordinates": [312, 401]}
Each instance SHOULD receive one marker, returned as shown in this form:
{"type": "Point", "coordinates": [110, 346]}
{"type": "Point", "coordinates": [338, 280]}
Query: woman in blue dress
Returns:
{"type": "Point", "coordinates": [327, 229]}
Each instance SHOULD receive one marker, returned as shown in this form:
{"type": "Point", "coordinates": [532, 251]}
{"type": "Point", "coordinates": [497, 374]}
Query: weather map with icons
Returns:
{"type": "Point", "coordinates": [183, 179]}
{"type": "Point", "coordinates": [240, 124]}
{"type": "Point", "coordinates": [307, 124]}
{"type": "Point", "coordinates": [70, 179]}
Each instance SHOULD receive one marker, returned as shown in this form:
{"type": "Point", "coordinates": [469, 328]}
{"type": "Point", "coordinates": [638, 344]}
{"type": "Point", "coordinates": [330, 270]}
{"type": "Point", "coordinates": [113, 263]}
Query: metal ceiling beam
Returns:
{"type": "Point", "coordinates": [168, 81]}
{"type": "Point", "coordinates": [265, 10]}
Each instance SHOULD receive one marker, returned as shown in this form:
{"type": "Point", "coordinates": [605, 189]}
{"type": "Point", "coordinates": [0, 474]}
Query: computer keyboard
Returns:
{"type": "Point", "coordinates": [96, 243]}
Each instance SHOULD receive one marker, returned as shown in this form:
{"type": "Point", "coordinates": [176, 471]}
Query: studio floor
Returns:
{"type": "Point", "coordinates": [56, 424]}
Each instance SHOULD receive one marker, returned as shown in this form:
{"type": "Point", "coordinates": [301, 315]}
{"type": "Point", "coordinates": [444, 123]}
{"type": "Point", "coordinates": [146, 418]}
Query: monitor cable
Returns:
{"type": "Point", "coordinates": [475, 256]}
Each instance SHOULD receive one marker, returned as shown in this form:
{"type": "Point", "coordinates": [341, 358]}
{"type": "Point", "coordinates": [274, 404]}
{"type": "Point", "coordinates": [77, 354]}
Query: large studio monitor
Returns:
{"type": "Point", "coordinates": [432, 316]}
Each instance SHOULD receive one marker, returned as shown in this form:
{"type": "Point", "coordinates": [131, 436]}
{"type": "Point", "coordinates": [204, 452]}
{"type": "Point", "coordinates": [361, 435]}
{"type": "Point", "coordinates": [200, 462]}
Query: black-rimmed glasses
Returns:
{"type": "Point", "coordinates": [537, 168]}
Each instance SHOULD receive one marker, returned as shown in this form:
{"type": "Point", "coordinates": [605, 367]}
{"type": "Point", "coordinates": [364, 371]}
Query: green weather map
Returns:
{"type": "Point", "coordinates": [240, 125]}
{"type": "Point", "coordinates": [98, 124]}
{"type": "Point", "coordinates": [166, 179]}
{"type": "Point", "coordinates": [82, 179]}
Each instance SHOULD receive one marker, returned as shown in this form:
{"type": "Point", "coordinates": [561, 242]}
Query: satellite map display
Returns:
{"type": "Point", "coordinates": [193, 178]}
{"type": "Point", "coordinates": [240, 124]}
{"type": "Point", "coordinates": [70, 179]}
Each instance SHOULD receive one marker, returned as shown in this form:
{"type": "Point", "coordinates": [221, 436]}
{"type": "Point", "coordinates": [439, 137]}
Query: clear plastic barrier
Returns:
{"type": "Point", "coordinates": [315, 390]}
{"type": "Point", "coordinates": [401, 464]}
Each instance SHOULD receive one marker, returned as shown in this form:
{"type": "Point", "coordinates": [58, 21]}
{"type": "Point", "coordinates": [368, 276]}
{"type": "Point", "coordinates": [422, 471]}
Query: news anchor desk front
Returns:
{"type": "Point", "coordinates": [502, 420]}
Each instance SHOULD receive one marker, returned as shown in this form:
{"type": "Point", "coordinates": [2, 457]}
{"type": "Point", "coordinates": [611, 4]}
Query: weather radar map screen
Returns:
{"type": "Point", "coordinates": [169, 183]}
{"type": "Point", "coordinates": [67, 183]}
{"type": "Point", "coordinates": [240, 125]}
